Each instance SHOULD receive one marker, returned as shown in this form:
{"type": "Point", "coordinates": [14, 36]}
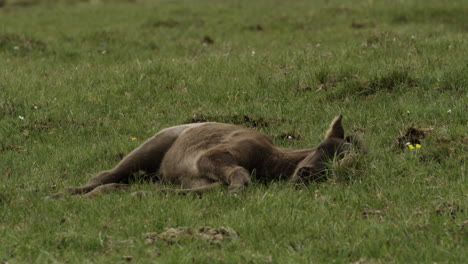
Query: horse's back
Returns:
{"type": "Point", "coordinates": [180, 163]}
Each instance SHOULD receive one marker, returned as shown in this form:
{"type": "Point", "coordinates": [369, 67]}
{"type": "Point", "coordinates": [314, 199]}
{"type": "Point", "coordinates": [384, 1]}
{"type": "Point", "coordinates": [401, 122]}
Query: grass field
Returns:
{"type": "Point", "coordinates": [79, 79]}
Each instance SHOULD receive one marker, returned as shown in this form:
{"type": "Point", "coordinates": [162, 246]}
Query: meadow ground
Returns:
{"type": "Point", "coordinates": [80, 79]}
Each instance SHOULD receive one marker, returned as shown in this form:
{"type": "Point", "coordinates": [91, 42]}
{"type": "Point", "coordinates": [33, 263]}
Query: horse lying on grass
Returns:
{"type": "Point", "coordinates": [201, 156]}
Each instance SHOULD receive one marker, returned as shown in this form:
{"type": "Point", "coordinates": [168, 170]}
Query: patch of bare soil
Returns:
{"type": "Point", "coordinates": [412, 135]}
{"type": "Point", "coordinates": [380, 38]}
{"type": "Point", "coordinates": [207, 40]}
{"type": "Point", "coordinates": [170, 23]}
{"type": "Point", "coordinates": [293, 135]}
{"type": "Point", "coordinates": [326, 80]}
{"type": "Point", "coordinates": [14, 148]}
{"type": "Point", "coordinates": [449, 208]}
{"type": "Point", "coordinates": [245, 120]}
{"type": "Point", "coordinates": [452, 140]}
{"type": "Point", "coordinates": [119, 155]}
{"type": "Point", "coordinates": [369, 213]}
{"type": "Point", "coordinates": [22, 3]}
{"type": "Point", "coordinates": [361, 24]}
{"type": "Point", "coordinates": [464, 140]}
{"type": "Point", "coordinates": [257, 27]}
{"type": "Point", "coordinates": [48, 124]}
{"type": "Point", "coordinates": [21, 43]}
{"type": "Point", "coordinates": [303, 87]}
{"type": "Point", "coordinates": [208, 234]}
{"type": "Point", "coordinates": [464, 224]}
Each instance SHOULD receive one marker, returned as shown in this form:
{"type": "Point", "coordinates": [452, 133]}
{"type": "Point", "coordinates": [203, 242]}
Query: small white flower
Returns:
{"type": "Point", "coordinates": [16, 48]}
{"type": "Point", "coordinates": [408, 112]}
{"type": "Point", "coordinates": [253, 53]}
{"type": "Point", "coordinates": [21, 117]}
{"type": "Point", "coordinates": [35, 107]}
{"type": "Point", "coordinates": [449, 111]}
{"type": "Point", "coordinates": [289, 137]}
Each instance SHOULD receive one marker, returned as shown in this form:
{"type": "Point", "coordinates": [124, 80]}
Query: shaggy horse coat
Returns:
{"type": "Point", "coordinates": [200, 156]}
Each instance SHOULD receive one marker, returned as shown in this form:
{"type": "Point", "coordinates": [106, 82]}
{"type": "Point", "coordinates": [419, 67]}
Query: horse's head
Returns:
{"type": "Point", "coordinates": [334, 147]}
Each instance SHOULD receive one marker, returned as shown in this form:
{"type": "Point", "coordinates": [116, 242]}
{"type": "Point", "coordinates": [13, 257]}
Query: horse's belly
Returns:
{"type": "Point", "coordinates": [180, 169]}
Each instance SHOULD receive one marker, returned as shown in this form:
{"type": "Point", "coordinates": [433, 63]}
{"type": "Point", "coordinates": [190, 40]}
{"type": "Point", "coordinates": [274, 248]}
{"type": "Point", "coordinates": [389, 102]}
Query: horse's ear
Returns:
{"type": "Point", "coordinates": [336, 129]}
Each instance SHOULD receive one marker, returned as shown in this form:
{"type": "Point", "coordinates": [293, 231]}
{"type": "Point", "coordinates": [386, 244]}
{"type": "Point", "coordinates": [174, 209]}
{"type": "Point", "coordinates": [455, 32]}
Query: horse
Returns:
{"type": "Point", "coordinates": [201, 156]}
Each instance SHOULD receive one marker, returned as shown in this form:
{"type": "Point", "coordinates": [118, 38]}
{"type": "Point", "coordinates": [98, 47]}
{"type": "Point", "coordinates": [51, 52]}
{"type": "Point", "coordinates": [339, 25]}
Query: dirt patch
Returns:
{"type": "Point", "coordinates": [283, 69]}
{"type": "Point", "coordinates": [373, 213]}
{"type": "Point", "coordinates": [44, 125]}
{"type": "Point", "coordinates": [325, 80]}
{"type": "Point", "coordinates": [169, 23]}
{"type": "Point", "coordinates": [452, 140]}
{"type": "Point", "coordinates": [361, 24]}
{"type": "Point", "coordinates": [254, 122]}
{"type": "Point", "coordinates": [207, 40]}
{"type": "Point", "coordinates": [208, 234]}
{"type": "Point", "coordinates": [14, 148]}
{"type": "Point", "coordinates": [464, 140]}
{"type": "Point", "coordinates": [449, 208]}
{"type": "Point", "coordinates": [22, 3]}
{"type": "Point", "coordinates": [257, 27]}
{"type": "Point", "coordinates": [380, 38]}
{"type": "Point", "coordinates": [245, 120]}
{"type": "Point", "coordinates": [413, 136]}
{"type": "Point", "coordinates": [304, 87]}
{"type": "Point", "coordinates": [119, 155]}
{"type": "Point", "coordinates": [293, 135]}
{"type": "Point", "coordinates": [464, 224]}
{"type": "Point", "coordinates": [20, 43]}
{"type": "Point", "coordinates": [200, 118]}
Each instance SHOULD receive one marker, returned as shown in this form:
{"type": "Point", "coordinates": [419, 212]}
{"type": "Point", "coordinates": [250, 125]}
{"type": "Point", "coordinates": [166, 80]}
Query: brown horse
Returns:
{"type": "Point", "coordinates": [201, 156]}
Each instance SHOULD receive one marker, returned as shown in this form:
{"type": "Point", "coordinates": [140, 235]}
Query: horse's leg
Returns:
{"type": "Point", "coordinates": [200, 189]}
{"type": "Point", "coordinates": [220, 166]}
{"type": "Point", "coordinates": [107, 188]}
{"type": "Point", "coordinates": [146, 157]}
{"type": "Point", "coordinates": [238, 178]}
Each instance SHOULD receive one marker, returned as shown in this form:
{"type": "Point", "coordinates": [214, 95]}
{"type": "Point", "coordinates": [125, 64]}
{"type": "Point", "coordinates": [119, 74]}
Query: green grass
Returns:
{"type": "Point", "coordinates": [89, 75]}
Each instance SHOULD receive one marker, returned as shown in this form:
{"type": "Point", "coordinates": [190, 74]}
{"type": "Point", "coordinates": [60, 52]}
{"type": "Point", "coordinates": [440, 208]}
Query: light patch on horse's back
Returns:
{"type": "Point", "coordinates": [180, 129]}
{"type": "Point", "coordinates": [212, 126]}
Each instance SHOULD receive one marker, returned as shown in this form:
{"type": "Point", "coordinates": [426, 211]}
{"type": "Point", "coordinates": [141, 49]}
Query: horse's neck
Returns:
{"type": "Point", "coordinates": [282, 162]}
